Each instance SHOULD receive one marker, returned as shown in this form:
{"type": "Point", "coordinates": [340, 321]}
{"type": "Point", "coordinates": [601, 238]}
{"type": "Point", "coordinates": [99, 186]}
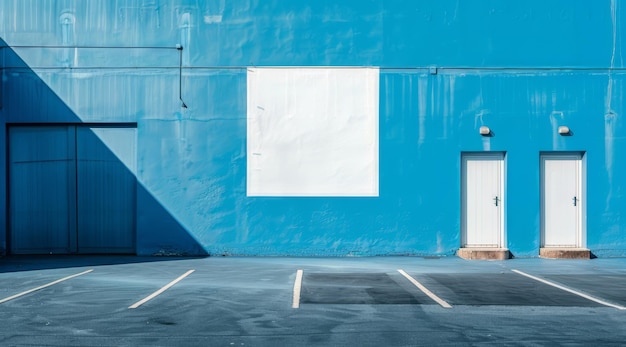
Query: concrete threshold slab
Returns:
{"type": "Point", "coordinates": [484, 253]}
{"type": "Point", "coordinates": [565, 253]}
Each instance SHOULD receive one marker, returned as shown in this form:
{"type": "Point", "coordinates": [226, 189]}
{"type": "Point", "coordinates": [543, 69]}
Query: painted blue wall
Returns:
{"type": "Point", "coordinates": [521, 67]}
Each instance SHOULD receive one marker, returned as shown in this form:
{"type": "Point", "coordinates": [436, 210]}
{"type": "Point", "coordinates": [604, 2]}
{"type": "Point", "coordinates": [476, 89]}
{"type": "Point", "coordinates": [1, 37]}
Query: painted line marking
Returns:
{"type": "Point", "coordinates": [588, 297]}
{"type": "Point", "coordinates": [44, 286]}
{"type": "Point", "coordinates": [158, 292]}
{"type": "Point", "coordinates": [297, 287]}
{"type": "Point", "coordinates": [425, 290]}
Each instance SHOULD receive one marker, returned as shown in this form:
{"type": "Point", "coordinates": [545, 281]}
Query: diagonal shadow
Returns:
{"type": "Point", "coordinates": [28, 104]}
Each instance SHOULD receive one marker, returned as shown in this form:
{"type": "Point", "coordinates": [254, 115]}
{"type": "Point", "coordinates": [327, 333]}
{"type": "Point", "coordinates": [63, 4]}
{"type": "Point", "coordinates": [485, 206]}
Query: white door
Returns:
{"type": "Point", "coordinates": [483, 200]}
{"type": "Point", "coordinates": [562, 200]}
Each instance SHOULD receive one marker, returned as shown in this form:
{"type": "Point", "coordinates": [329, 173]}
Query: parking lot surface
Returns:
{"type": "Point", "coordinates": [377, 301]}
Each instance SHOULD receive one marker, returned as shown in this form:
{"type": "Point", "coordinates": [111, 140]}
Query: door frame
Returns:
{"type": "Point", "coordinates": [581, 237]}
{"type": "Point", "coordinates": [465, 156]}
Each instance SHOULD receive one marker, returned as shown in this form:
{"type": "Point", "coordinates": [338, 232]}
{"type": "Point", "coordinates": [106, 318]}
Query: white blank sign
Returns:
{"type": "Point", "coordinates": [312, 131]}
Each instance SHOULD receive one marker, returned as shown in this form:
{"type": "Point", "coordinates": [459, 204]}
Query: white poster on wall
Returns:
{"type": "Point", "coordinates": [312, 131]}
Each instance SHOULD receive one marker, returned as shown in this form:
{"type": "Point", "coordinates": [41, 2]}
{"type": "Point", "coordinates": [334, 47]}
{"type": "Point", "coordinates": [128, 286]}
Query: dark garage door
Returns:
{"type": "Point", "coordinates": [72, 189]}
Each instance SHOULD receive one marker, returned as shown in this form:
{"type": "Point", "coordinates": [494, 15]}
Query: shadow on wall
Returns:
{"type": "Point", "coordinates": [72, 186]}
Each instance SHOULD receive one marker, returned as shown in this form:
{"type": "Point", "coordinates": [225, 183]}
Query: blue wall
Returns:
{"type": "Point", "coordinates": [447, 67]}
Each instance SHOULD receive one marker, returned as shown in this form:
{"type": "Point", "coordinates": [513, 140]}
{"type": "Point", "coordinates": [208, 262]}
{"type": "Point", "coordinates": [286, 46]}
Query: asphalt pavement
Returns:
{"type": "Point", "coordinates": [258, 301]}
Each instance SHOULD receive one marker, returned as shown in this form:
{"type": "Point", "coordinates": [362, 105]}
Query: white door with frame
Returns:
{"type": "Point", "coordinates": [482, 200]}
{"type": "Point", "coordinates": [562, 200]}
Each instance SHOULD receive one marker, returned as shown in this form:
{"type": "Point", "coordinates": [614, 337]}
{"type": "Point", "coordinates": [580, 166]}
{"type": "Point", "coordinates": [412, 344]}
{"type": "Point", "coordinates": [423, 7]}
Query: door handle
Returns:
{"type": "Point", "coordinates": [495, 200]}
{"type": "Point", "coordinates": [575, 200]}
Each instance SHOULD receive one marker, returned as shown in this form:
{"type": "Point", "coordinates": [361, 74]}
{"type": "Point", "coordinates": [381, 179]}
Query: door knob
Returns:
{"type": "Point", "coordinates": [575, 200]}
{"type": "Point", "coordinates": [495, 200]}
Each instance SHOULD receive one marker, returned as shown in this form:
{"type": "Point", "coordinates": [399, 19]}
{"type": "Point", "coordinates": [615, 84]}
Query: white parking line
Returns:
{"type": "Point", "coordinates": [166, 287]}
{"type": "Point", "coordinates": [588, 297]}
{"type": "Point", "coordinates": [44, 286]}
{"type": "Point", "coordinates": [425, 290]}
{"type": "Point", "coordinates": [297, 286]}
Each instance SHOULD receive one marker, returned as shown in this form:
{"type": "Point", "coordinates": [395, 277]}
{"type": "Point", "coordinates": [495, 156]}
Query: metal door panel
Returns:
{"type": "Point", "coordinates": [562, 200]}
{"type": "Point", "coordinates": [106, 189]}
{"type": "Point", "coordinates": [41, 193]}
{"type": "Point", "coordinates": [483, 200]}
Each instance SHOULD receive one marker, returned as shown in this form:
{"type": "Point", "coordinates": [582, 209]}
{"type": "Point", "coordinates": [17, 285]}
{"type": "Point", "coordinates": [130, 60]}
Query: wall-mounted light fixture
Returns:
{"type": "Point", "coordinates": [564, 130]}
{"type": "Point", "coordinates": [484, 130]}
